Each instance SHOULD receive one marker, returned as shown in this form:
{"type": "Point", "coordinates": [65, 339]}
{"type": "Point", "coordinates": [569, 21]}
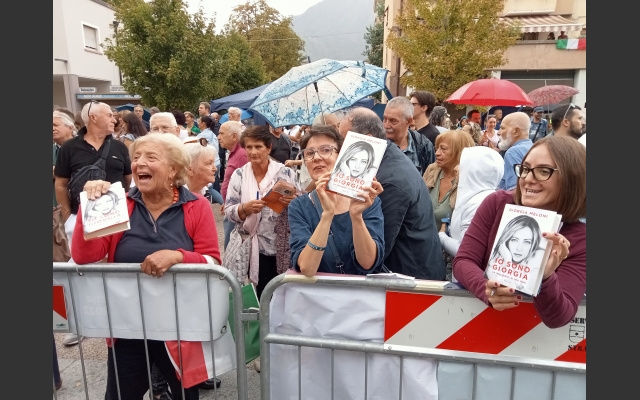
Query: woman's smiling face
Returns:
{"type": "Point", "coordinates": [151, 170]}
{"type": "Point", "coordinates": [318, 165]}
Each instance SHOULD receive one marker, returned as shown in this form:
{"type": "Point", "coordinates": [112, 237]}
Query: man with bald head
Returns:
{"type": "Point", "coordinates": [514, 140]}
{"type": "Point", "coordinates": [412, 245]}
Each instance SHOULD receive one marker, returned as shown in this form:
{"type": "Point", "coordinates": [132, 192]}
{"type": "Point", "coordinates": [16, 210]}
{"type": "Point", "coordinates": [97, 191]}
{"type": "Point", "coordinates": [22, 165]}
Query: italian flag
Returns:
{"type": "Point", "coordinates": [571, 44]}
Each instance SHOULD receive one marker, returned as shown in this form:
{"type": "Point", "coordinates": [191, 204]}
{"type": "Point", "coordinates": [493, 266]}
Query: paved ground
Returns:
{"type": "Point", "coordinates": [94, 354]}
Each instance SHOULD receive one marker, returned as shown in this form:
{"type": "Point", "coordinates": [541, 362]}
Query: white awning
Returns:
{"type": "Point", "coordinates": [543, 23]}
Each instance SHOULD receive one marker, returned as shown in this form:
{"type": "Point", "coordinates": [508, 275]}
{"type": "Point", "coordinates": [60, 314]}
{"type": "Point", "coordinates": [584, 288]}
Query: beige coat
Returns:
{"type": "Point", "coordinates": [430, 176]}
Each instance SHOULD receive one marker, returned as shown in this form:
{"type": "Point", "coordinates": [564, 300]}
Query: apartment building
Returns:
{"type": "Point", "coordinates": [81, 70]}
{"type": "Point", "coordinates": [534, 61]}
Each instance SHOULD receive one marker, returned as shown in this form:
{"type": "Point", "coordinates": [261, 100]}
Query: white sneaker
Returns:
{"type": "Point", "coordinates": [70, 339]}
{"type": "Point", "coordinates": [256, 364]}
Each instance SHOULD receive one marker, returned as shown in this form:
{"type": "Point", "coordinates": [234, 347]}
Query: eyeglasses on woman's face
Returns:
{"type": "Point", "coordinates": [539, 173]}
{"type": "Point", "coordinates": [325, 151]}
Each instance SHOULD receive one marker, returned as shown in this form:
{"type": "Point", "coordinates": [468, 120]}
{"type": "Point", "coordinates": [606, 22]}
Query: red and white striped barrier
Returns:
{"type": "Point", "coordinates": [414, 321]}
{"type": "Point", "coordinates": [60, 322]}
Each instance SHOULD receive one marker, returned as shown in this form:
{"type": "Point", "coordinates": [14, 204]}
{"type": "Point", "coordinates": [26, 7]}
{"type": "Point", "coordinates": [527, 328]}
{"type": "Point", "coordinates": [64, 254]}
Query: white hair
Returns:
{"type": "Point", "coordinates": [164, 114]}
{"type": "Point", "coordinates": [196, 150]}
{"type": "Point", "coordinates": [96, 106]}
{"type": "Point", "coordinates": [65, 120]}
{"type": "Point", "coordinates": [234, 127]}
{"type": "Point", "coordinates": [403, 104]}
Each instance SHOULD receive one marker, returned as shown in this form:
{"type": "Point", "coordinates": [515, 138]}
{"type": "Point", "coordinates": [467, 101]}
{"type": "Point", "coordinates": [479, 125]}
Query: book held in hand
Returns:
{"type": "Point", "coordinates": [357, 164]}
{"type": "Point", "coordinates": [105, 215]}
{"type": "Point", "coordinates": [520, 252]}
{"type": "Point", "coordinates": [279, 189]}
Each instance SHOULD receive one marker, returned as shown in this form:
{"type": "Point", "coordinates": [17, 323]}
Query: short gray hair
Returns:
{"type": "Point", "coordinates": [235, 110]}
{"type": "Point", "coordinates": [96, 106]}
{"type": "Point", "coordinates": [164, 114]}
{"type": "Point", "coordinates": [174, 150]}
{"type": "Point", "coordinates": [403, 104]}
{"type": "Point", "coordinates": [438, 115]}
{"type": "Point", "coordinates": [234, 127]}
{"type": "Point", "coordinates": [64, 117]}
{"type": "Point", "coordinates": [196, 150]}
{"type": "Point", "coordinates": [366, 122]}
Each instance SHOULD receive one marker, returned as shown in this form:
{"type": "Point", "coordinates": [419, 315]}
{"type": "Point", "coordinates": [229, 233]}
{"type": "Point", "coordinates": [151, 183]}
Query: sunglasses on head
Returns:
{"type": "Point", "coordinates": [202, 141]}
{"type": "Point", "coordinates": [90, 104]}
{"type": "Point", "coordinates": [571, 107]}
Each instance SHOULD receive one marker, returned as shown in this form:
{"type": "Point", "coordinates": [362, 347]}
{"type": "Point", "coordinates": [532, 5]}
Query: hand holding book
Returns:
{"type": "Point", "coordinates": [559, 251]}
{"type": "Point", "coordinates": [369, 194]}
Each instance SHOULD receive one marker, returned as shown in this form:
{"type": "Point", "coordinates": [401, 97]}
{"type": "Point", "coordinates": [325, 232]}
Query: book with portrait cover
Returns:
{"type": "Point", "coordinates": [279, 189]}
{"type": "Point", "coordinates": [357, 164]}
{"type": "Point", "coordinates": [520, 252]}
{"type": "Point", "coordinates": [105, 215]}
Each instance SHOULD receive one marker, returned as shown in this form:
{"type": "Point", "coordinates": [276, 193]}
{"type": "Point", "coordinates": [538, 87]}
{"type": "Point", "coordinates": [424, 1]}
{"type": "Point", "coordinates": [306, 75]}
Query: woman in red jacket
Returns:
{"type": "Point", "coordinates": [552, 176]}
{"type": "Point", "coordinates": [169, 225]}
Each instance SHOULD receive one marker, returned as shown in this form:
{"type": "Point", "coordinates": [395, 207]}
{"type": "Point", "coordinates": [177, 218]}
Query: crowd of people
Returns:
{"type": "Point", "coordinates": [431, 212]}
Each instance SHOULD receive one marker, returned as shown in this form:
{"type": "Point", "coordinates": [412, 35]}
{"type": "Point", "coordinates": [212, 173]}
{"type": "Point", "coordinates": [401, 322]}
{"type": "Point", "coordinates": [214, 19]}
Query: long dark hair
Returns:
{"type": "Point", "coordinates": [134, 125]}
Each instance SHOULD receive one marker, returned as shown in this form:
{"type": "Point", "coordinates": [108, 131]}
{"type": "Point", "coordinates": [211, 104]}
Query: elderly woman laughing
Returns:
{"type": "Point", "coordinates": [169, 225]}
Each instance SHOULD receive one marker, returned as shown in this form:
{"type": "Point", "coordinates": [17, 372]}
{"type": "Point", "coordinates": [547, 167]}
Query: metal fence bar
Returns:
{"type": "Point", "coordinates": [144, 334]}
{"type": "Point", "coordinates": [400, 285]}
{"type": "Point", "coordinates": [239, 316]}
{"type": "Point", "coordinates": [75, 318]}
{"type": "Point", "coordinates": [113, 353]}
{"type": "Point", "coordinates": [175, 296]}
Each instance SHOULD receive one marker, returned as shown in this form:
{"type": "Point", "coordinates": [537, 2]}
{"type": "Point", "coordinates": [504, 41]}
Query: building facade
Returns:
{"type": "Point", "coordinates": [534, 61]}
{"type": "Point", "coordinates": [81, 70]}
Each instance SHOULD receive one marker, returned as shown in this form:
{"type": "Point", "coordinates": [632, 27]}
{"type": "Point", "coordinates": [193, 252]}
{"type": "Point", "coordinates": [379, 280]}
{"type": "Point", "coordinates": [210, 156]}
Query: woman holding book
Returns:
{"type": "Point", "coordinates": [244, 204]}
{"type": "Point", "coordinates": [183, 230]}
{"type": "Point", "coordinates": [329, 232]}
{"type": "Point", "coordinates": [552, 176]}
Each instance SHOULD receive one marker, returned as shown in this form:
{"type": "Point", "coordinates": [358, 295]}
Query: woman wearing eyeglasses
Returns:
{"type": "Point", "coordinates": [329, 232]}
{"type": "Point", "coordinates": [244, 204]}
{"type": "Point", "coordinates": [552, 176]}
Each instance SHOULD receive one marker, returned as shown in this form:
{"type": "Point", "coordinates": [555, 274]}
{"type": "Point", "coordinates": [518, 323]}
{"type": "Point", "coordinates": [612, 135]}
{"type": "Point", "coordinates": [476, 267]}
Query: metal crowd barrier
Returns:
{"type": "Point", "coordinates": [91, 290]}
{"type": "Point", "coordinates": [330, 364]}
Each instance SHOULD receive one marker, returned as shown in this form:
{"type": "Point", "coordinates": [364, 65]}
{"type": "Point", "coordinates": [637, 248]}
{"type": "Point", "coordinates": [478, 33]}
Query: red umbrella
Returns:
{"type": "Point", "coordinates": [551, 94]}
{"type": "Point", "coordinates": [490, 92]}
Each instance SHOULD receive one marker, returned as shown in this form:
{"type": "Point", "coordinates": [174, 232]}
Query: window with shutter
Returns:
{"type": "Point", "coordinates": [90, 37]}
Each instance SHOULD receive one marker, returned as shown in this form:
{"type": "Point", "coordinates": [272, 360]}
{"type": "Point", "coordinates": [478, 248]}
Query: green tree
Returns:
{"type": "Point", "coordinates": [174, 60]}
{"type": "Point", "coordinates": [374, 37]}
{"type": "Point", "coordinates": [270, 36]}
{"type": "Point", "coordinates": [448, 43]}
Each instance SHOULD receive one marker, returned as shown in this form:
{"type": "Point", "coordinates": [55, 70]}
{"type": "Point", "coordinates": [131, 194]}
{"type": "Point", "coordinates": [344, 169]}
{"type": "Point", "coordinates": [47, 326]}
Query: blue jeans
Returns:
{"type": "Point", "coordinates": [228, 227]}
{"type": "Point", "coordinates": [216, 197]}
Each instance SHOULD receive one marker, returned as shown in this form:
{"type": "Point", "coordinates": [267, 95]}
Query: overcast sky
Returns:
{"type": "Point", "coordinates": [223, 8]}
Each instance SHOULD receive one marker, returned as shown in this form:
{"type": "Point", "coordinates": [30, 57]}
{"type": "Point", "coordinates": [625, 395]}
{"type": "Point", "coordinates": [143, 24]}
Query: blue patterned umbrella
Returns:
{"type": "Point", "coordinates": [322, 86]}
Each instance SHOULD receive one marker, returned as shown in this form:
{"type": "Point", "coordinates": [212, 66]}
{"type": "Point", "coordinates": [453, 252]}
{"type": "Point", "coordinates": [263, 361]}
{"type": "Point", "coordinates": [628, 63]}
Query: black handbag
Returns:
{"type": "Point", "coordinates": [92, 172]}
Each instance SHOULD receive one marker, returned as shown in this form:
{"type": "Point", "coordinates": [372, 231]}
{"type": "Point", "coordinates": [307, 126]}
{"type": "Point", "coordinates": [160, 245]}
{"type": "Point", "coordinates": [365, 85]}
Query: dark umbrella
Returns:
{"type": "Point", "coordinates": [145, 116]}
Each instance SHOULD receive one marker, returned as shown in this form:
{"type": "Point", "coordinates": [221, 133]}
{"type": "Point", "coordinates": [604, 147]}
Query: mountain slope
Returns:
{"type": "Point", "coordinates": [335, 28]}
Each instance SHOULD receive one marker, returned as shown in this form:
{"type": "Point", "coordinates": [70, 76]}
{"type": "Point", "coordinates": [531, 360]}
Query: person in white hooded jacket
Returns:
{"type": "Point", "coordinates": [479, 174]}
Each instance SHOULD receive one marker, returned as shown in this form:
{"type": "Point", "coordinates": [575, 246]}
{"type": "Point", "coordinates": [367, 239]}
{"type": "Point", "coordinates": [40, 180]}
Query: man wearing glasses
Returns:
{"type": "Point", "coordinates": [514, 140]}
{"type": "Point", "coordinates": [568, 120]}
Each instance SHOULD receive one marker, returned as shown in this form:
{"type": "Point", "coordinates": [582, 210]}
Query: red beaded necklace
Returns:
{"type": "Point", "coordinates": [176, 195]}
